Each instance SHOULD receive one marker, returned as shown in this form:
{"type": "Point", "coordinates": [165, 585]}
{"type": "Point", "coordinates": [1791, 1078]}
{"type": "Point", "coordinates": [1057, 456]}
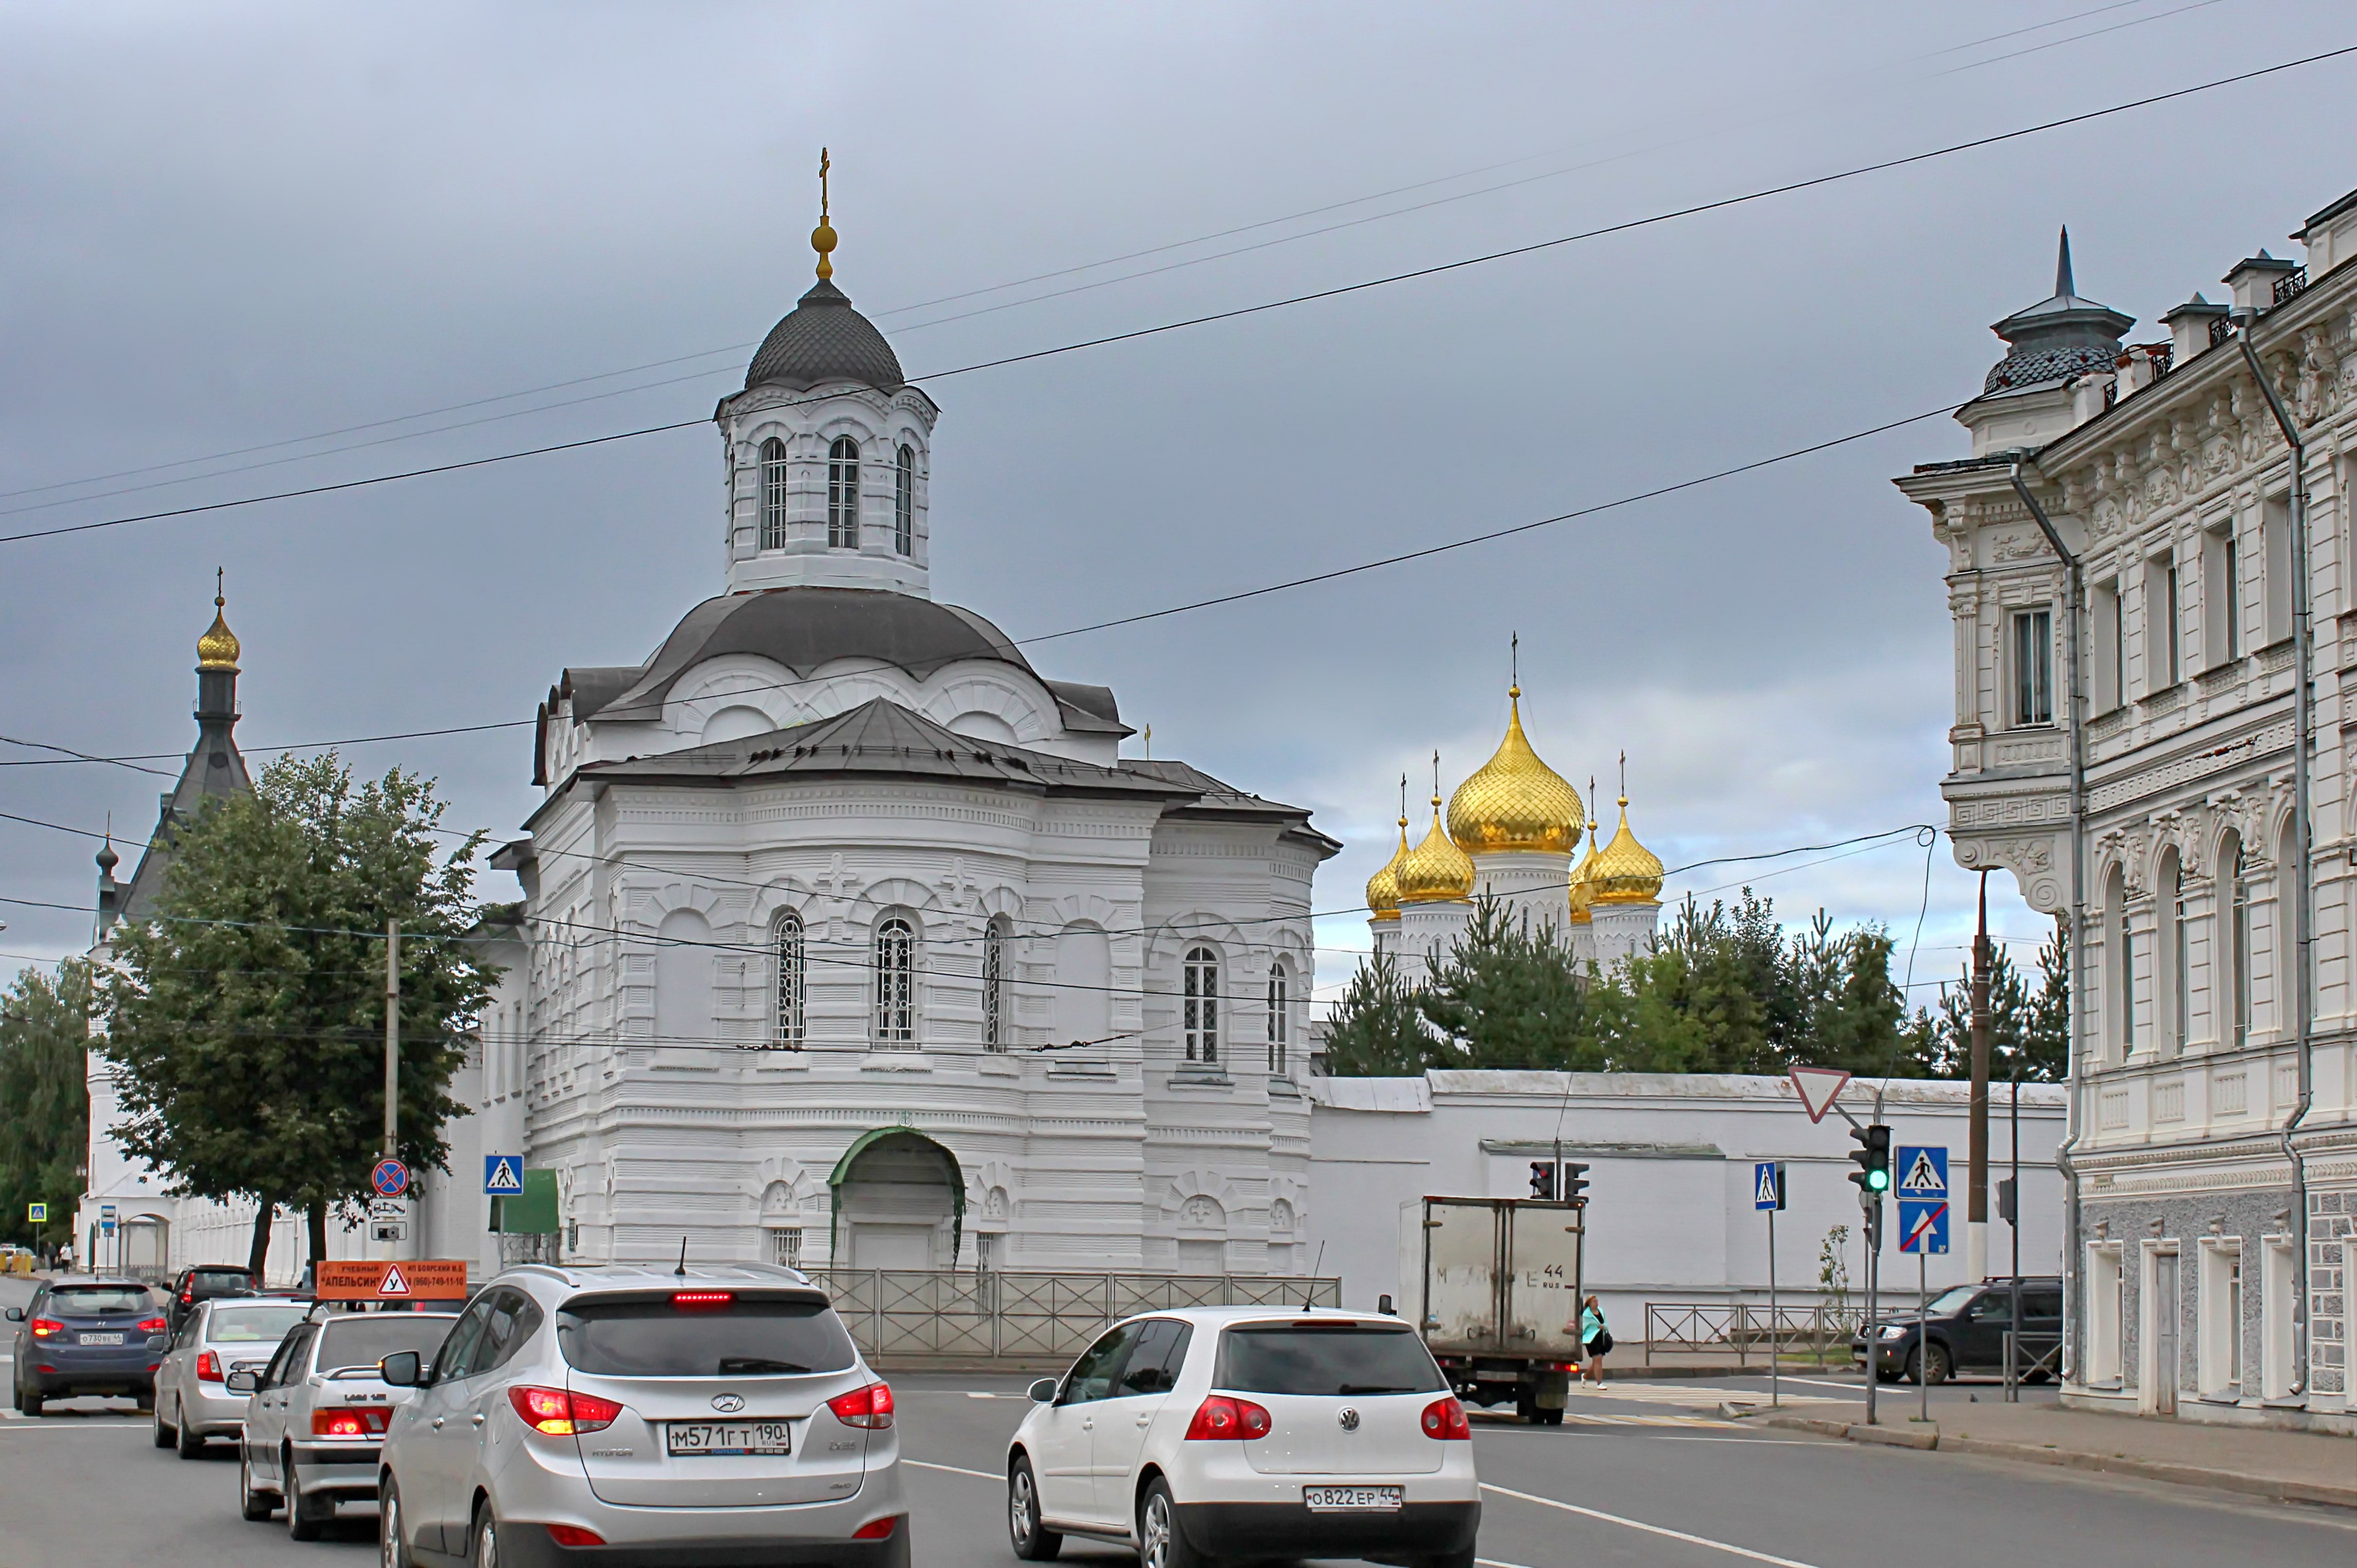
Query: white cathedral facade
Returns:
{"type": "Point", "coordinates": [850, 938]}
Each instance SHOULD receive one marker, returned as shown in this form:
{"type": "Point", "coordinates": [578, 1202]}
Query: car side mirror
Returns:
{"type": "Point", "coordinates": [1044, 1391]}
{"type": "Point", "coordinates": [15, 1314]}
{"type": "Point", "coordinates": [402, 1369]}
{"type": "Point", "coordinates": [244, 1381]}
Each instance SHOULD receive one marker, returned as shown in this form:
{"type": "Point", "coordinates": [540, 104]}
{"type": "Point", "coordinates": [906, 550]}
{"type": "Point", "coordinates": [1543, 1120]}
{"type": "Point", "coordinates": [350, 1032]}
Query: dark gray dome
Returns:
{"type": "Point", "coordinates": [824, 339]}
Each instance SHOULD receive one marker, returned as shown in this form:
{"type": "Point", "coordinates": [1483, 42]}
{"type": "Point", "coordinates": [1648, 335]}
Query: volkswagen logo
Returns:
{"type": "Point", "coordinates": [729, 1404]}
{"type": "Point", "coordinates": [1349, 1418]}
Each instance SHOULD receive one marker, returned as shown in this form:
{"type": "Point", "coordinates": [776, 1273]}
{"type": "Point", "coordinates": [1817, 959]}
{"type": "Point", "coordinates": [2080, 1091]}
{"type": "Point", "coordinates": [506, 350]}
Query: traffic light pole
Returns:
{"type": "Point", "coordinates": [1867, 1328]}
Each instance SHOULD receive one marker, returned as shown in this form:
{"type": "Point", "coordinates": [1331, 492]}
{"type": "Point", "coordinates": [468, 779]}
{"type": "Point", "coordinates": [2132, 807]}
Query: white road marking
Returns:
{"type": "Point", "coordinates": [1731, 1550]}
{"type": "Point", "coordinates": [1857, 1389]}
{"type": "Point", "coordinates": [955, 1469]}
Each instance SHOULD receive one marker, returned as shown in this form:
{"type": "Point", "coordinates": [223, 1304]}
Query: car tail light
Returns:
{"type": "Point", "coordinates": [154, 1326]}
{"type": "Point", "coordinates": [701, 1300]}
{"type": "Point", "coordinates": [870, 1407]}
{"type": "Point", "coordinates": [45, 1327]}
{"type": "Point", "coordinates": [349, 1422]}
{"type": "Point", "coordinates": [208, 1366]}
{"type": "Point", "coordinates": [878, 1529]}
{"type": "Point", "coordinates": [574, 1535]}
{"type": "Point", "coordinates": [1445, 1419]}
{"type": "Point", "coordinates": [1220, 1417]}
{"type": "Point", "coordinates": [562, 1415]}
{"type": "Point", "coordinates": [188, 1296]}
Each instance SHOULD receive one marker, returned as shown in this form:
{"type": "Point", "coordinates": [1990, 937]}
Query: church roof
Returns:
{"type": "Point", "coordinates": [824, 339]}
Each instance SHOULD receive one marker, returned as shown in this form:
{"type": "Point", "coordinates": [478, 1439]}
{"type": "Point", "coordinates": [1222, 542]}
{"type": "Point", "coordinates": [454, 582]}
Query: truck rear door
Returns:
{"type": "Point", "coordinates": [1460, 1275]}
{"type": "Point", "coordinates": [1543, 1280]}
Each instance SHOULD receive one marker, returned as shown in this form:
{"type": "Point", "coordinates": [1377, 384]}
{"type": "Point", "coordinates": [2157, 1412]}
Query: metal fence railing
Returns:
{"type": "Point", "coordinates": [969, 1314]}
{"type": "Point", "coordinates": [1744, 1330]}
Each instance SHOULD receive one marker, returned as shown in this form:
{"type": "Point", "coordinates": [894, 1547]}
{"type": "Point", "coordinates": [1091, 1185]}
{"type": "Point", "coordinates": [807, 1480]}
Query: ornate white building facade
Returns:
{"type": "Point", "coordinates": [851, 938]}
{"type": "Point", "coordinates": [2213, 1117]}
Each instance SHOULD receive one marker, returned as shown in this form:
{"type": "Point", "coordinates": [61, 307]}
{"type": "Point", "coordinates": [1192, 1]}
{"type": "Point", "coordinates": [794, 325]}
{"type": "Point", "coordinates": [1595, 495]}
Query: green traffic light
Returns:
{"type": "Point", "coordinates": [1879, 1180]}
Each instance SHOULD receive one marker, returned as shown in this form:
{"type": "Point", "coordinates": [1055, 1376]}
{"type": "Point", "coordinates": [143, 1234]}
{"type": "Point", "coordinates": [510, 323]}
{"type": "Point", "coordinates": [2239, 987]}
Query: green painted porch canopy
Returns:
{"type": "Point", "coordinates": [869, 1140]}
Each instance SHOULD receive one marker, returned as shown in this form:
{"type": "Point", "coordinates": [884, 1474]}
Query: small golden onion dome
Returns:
{"type": "Point", "coordinates": [1583, 889]}
{"type": "Point", "coordinates": [217, 650]}
{"type": "Point", "coordinates": [1515, 801]}
{"type": "Point", "coordinates": [1436, 870]}
{"type": "Point", "coordinates": [1624, 871]}
{"type": "Point", "coordinates": [1382, 888]}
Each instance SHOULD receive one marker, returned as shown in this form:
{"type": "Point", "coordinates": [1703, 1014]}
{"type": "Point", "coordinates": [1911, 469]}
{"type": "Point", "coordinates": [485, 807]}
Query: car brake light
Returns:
{"type": "Point", "coordinates": [45, 1327]}
{"type": "Point", "coordinates": [154, 1326]}
{"type": "Point", "coordinates": [1444, 1419]}
{"type": "Point", "coordinates": [574, 1535]}
{"type": "Point", "coordinates": [1221, 1417]}
{"type": "Point", "coordinates": [188, 1296]}
{"type": "Point", "coordinates": [878, 1529]}
{"type": "Point", "coordinates": [348, 1423]}
{"type": "Point", "coordinates": [562, 1415]}
{"type": "Point", "coordinates": [870, 1407]}
{"type": "Point", "coordinates": [701, 1300]}
{"type": "Point", "coordinates": [208, 1366]}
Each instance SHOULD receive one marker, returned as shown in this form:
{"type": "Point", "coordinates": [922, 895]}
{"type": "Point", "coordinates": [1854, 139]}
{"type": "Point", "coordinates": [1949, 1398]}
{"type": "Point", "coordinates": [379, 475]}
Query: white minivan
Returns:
{"type": "Point", "coordinates": [1210, 1434]}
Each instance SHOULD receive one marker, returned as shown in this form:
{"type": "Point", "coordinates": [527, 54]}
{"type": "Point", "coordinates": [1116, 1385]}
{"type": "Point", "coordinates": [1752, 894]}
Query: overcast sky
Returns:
{"type": "Point", "coordinates": [229, 226]}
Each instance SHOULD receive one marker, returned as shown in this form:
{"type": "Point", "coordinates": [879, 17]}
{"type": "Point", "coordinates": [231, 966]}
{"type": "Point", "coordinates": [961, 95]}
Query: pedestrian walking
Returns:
{"type": "Point", "coordinates": [1595, 1338]}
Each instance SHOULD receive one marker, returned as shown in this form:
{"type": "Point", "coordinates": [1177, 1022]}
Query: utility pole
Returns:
{"type": "Point", "coordinates": [1976, 1177]}
{"type": "Point", "coordinates": [391, 1055]}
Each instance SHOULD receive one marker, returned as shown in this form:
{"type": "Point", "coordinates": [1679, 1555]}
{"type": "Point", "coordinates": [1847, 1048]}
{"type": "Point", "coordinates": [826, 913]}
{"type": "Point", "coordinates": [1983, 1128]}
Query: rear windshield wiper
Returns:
{"type": "Point", "coordinates": [731, 1365]}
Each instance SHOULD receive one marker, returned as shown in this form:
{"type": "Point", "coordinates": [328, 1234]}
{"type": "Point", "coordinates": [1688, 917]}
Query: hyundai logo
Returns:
{"type": "Point", "coordinates": [727, 1404]}
{"type": "Point", "coordinates": [1349, 1418]}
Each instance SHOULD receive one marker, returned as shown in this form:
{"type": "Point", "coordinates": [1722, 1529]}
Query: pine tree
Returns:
{"type": "Point", "coordinates": [1509, 994]}
{"type": "Point", "coordinates": [1375, 1029]}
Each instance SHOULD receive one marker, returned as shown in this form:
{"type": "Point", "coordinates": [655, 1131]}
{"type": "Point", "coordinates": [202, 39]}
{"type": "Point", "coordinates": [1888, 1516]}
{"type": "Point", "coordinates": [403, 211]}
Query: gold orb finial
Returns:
{"type": "Point", "coordinates": [217, 650]}
{"type": "Point", "coordinates": [823, 237]}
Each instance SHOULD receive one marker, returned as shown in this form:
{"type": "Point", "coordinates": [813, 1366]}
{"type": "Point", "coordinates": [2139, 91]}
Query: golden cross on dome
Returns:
{"type": "Point", "coordinates": [1515, 666]}
{"type": "Point", "coordinates": [1624, 777]}
{"type": "Point", "coordinates": [1436, 780]}
{"type": "Point", "coordinates": [823, 237]}
{"type": "Point", "coordinates": [1403, 801]}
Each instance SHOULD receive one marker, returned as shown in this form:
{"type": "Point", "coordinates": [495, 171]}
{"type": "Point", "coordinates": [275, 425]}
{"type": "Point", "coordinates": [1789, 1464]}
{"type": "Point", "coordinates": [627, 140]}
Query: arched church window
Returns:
{"type": "Point", "coordinates": [1279, 1001]}
{"type": "Point", "coordinates": [786, 942]}
{"type": "Point", "coordinates": [904, 502]}
{"type": "Point", "coordinates": [842, 494]}
{"type": "Point", "coordinates": [993, 983]}
{"type": "Point", "coordinates": [1202, 1011]}
{"type": "Point", "coordinates": [896, 983]}
{"type": "Point", "coordinates": [774, 494]}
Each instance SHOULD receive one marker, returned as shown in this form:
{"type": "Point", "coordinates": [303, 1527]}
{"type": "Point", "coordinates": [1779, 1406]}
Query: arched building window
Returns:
{"type": "Point", "coordinates": [774, 494]}
{"type": "Point", "coordinates": [994, 982]}
{"type": "Point", "coordinates": [904, 502]}
{"type": "Point", "coordinates": [2120, 961]}
{"type": "Point", "coordinates": [2170, 966]}
{"type": "Point", "coordinates": [842, 494]}
{"type": "Point", "coordinates": [786, 942]}
{"type": "Point", "coordinates": [1202, 1020]}
{"type": "Point", "coordinates": [896, 983]}
{"type": "Point", "coordinates": [1280, 1000]}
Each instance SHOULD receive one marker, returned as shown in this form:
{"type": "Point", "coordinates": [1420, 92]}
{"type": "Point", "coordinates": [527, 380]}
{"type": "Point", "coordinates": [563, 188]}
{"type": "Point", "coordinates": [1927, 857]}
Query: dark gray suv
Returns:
{"type": "Point", "coordinates": [1966, 1327]}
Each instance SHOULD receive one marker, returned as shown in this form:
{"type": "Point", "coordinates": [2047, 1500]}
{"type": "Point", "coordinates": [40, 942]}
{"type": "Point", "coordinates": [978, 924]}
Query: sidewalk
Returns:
{"type": "Point", "coordinates": [2290, 1466]}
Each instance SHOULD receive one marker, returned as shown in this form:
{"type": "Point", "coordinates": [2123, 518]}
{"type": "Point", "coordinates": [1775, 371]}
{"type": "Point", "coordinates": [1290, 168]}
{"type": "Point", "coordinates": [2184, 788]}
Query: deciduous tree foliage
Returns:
{"type": "Point", "coordinates": [246, 1019]}
{"type": "Point", "coordinates": [44, 1100]}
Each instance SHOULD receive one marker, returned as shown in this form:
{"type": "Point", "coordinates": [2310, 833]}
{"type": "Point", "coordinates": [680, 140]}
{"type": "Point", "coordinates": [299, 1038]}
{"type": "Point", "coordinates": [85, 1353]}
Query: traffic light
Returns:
{"type": "Point", "coordinates": [1575, 1182]}
{"type": "Point", "coordinates": [2005, 1202]}
{"type": "Point", "coordinates": [1543, 1179]}
{"type": "Point", "coordinates": [1872, 1157]}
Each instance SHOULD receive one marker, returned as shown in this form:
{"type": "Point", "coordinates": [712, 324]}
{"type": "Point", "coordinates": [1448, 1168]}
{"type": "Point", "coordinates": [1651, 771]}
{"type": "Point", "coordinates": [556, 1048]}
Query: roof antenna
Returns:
{"type": "Point", "coordinates": [1309, 1286]}
{"type": "Point", "coordinates": [682, 1269]}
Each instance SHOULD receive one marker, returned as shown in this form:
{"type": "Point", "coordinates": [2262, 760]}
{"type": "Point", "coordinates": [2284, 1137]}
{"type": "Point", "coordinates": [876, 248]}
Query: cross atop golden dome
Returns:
{"type": "Point", "coordinates": [1583, 890]}
{"type": "Point", "coordinates": [1435, 871]}
{"type": "Point", "coordinates": [218, 648]}
{"type": "Point", "coordinates": [1382, 888]}
{"type": "Point", "coordinates": [1515, 801]}
{"type": "Point", "coordinates": [823, 237]}
{"type": "Point", "coordinates": [1624, 871]}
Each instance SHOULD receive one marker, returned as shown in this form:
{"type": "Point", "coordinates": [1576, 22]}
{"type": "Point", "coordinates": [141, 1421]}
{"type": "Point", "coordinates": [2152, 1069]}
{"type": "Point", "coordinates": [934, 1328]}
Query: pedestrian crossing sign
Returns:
{"type": "Point", "coordinates": [1768, 1184]}
{"type": "Point", "coordinates": [504, 1175]}
{"type": "Point", "coordinates": [36, 1214]}
{"type": "Point", "coordinates": [1923, 1171]}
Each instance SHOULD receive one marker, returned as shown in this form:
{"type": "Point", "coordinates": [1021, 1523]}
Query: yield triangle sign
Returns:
{"type": "Point", "coordinates": [392, 1284]}
{"type": "Point", "coordinates": [1818, 1087]}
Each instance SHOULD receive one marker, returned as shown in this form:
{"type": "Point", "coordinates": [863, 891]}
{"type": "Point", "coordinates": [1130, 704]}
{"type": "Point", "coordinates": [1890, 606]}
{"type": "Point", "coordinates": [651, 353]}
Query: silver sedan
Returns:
{"type": "Point", "coordinates": [193, 1401]}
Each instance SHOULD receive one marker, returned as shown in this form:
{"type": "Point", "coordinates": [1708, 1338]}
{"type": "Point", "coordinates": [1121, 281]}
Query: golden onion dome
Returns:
{"type": "Point", "coordinates": [1515, 801]}
{"type": "Point", "coordinates": [1624, 871]}
{"type": "Point", "coordinates": [1382, 888]}
{"type": "Point", "coordinates": [1583, 889]}
{"type": "Point", "coordinates": [1436, 870]}
{"type": "Point", "coordinates": [217, 650]}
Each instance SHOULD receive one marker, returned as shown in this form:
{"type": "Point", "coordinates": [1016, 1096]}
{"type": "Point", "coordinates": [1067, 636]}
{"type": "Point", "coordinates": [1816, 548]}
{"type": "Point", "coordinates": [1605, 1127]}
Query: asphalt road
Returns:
{"type": "Point", "coordinates": [1633, 1477]}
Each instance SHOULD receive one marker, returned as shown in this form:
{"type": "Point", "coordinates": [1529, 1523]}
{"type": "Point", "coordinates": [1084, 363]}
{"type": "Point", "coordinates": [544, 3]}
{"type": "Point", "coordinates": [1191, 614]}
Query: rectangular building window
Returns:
{"type": "Point", "coordinates": [2102, 1341]}
{"type": "Point", "coordinates": [2033, 667]}
{"type": "Point", "coordinates": [2160, 656]}
{"type": "Point", "coordinates": [2221, 594]}
{"type": "Point", "coordinates": [786, 1246]}
{"type": "Point", "coordinates": [2218, 1315]}
{"type": "Point", "coordinates": [2276, 1371]}
{"type": "Point", "coordinates": [2107, 660]}
{"type": "Point", "coordinates": [2274, 531]}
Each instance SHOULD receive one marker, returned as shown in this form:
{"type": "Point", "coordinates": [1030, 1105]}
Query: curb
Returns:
{"type": "Point", "coordinates": [2274, 1487]}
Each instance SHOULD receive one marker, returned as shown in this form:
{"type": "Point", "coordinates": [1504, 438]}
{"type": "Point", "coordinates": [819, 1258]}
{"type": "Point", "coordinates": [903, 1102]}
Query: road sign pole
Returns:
{"type": "Point", "coordinates": [391, 1249]}
{"type": "Point", "coordinates": [1775, 1323]}
{"type": "Point", "coordinates": [1867, 1328]}
{"type": "Point", "coordinates": [1923, 1327]}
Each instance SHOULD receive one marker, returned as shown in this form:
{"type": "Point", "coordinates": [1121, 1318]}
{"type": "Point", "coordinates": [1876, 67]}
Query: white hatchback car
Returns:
{"type": "Point", "coordinates": [1234, 1432]}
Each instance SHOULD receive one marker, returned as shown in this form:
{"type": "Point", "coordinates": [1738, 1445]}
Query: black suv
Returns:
{"type": "Point", "coordinates": [1966, 1325]}
{"type": "Point", "coordinates": [206, 1281]}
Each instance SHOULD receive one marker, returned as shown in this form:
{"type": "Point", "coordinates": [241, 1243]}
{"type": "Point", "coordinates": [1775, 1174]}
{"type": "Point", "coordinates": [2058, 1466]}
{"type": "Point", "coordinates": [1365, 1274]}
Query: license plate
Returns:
{"type": "Point", "coordinates": [692, 1439]}
{"type": "Point", "coordinates": [101, 1339]}
{"type": "Point", "coordinates": [1354, 1499]}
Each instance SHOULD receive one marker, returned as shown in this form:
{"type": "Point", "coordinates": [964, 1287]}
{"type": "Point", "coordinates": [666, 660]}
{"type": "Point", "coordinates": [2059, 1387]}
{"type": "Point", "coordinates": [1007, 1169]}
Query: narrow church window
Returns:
{"type": "Point", "coordinates": [774, 494]}
{"type": "Point", "coordinates": [842, 494]}
{"type": "Point", "coordinates": [1278, 1000]}
{"type": "Point", "coordinates": [896, 983]}
{"type": "Point", "coordinates": [994, 984]}
{"type": "Point", "coordinates": [904, 503]}
{"type": "Point", "coordinates": [786, 941]}
{"type": "Point", "coordinates": [1202, 1005]}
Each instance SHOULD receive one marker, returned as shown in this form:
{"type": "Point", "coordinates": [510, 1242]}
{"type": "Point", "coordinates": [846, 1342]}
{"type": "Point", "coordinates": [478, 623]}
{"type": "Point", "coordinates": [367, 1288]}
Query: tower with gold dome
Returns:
{"type": "Point", "coordinates": [1520, 821]}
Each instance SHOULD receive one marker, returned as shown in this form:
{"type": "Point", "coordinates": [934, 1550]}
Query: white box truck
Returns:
{"type": "Point", "coordinates": [1494, 1284]}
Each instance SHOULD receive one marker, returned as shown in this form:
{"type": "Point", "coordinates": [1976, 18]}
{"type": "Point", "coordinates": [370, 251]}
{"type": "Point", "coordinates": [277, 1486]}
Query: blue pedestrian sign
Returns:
{"type": "Point", "coordinates": [504, 1175]}
{"type": "Point", "coordinates": [390, 1178]}
{"type": "Point", "coordinates": [1768, 1184]}
{"type": "Point", "coordinates": [1923, 1191]}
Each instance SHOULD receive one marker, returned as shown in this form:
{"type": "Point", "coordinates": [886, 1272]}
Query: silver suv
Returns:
{"type": "Point", "coordinates": [717, 1414]}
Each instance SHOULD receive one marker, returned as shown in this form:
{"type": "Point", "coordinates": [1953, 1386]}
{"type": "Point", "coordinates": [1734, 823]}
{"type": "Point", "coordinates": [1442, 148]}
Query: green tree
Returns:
{"type": "Point", "coordinates": [245, 1020]}
{"type": "Point", "coordinates": [44, 1100]}
{"type": "Point", "coordinates": [2028, 1028]}
{"type": "Point", "coordinates": [1510, 994]}
{"type": "Point", "coordinates": [1375, 1029]}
